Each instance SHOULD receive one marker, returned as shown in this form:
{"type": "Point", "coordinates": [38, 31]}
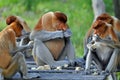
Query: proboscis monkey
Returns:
{"type": "Point", "coordinates": [105, 26]}
{"type": "Point", "coordinates": [52, 42]}
{"type": "Point", "coordinates": [104, 30]}
{"type": "Point", "coordinates": [105, 54]}
{"type": "Point", "coordinates": [9, 64]}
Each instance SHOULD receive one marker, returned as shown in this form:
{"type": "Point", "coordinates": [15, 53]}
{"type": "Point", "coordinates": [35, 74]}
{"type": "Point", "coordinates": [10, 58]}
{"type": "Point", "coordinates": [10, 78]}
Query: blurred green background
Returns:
{"type": "Point", "coordinates": [79, 12]}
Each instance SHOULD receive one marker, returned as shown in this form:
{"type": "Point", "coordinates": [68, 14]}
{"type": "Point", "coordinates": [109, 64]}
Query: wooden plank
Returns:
{"type": "Point", "coordinates": [61, 75]}
{"type": "Point", "coordinates": [66, 73]}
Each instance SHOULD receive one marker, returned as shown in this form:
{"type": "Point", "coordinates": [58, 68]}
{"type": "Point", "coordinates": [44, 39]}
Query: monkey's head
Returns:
{"type": "Point", "coordinates": [17, 24]}
{"type": "Point", "coordinates": [52, 21]}
{"type": "Point", "coordinates": [105, 17]}
{"type": "Point", "coordinates": [101, 28]}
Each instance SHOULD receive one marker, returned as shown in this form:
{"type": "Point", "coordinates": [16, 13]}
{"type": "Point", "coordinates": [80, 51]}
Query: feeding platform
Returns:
{"type": "Point", "coordinates": [66, 73]}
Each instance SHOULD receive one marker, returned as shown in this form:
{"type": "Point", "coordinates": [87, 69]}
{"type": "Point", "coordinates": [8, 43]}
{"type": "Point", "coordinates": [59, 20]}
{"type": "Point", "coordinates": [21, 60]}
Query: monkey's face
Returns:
{"type": "Point", "coordinates": [100, 28]}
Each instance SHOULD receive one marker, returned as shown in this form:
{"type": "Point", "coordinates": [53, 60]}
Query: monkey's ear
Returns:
{"type": "Point", "coordinates": [61, 16]}
{"type": "Point", "coordinates": [10, 19]}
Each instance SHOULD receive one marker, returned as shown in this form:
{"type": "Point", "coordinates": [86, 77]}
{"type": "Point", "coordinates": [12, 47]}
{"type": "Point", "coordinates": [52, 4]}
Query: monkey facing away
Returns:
{"type": "Point", "coordinates": [9, 65]}
{"type": "Point", "coordinates": [52, 42]}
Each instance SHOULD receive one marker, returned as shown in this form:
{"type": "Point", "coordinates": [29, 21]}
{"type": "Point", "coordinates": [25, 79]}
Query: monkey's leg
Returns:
{"type": "Point", "coordinates": [113, 63]}
{"type": "Point", "coordinates": [86, 41]}
{"type": "Point", "coordinates": [97, 63]}
{"type": "Point", "coordinates": [68, 51]}
{"type": "Point", "coordinates": [118, 66]}
{"type": "Point", "coordinates": [42, 54]}
{"type": "Point", "coordinates": [112, 76]}
{"type": "Point", "coordinates": [17, 64]}
{"type": "Point", "coordinates": [22, 65]}
{"type": "Point", "coordinates": [89, 58]}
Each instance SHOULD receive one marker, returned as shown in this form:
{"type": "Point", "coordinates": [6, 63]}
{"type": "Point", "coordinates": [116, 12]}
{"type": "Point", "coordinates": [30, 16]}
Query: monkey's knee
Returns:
{"type": "Point", "coordinates": [14, 66]}
{"type": "Point", "coordinates": [11, 70]}
{"type": "Point", "coordinates": [22, 64]}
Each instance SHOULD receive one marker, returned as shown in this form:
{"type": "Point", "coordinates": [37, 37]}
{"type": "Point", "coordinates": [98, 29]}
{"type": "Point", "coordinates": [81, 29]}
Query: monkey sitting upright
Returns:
{"type": "Point", "coordinates": [9, 64]}
{"type": "Point", "coordinates": [105, 54]}
{"type": "Point", "coordinates": [52, 42]}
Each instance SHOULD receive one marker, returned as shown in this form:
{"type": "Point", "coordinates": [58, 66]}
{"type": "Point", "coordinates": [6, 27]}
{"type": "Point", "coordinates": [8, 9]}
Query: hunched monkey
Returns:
{"type": "Point", "coordinates": [9, 64]}
{"type": "Point", "coordinates": [105, 54]}
{"type": "Point", "coordinates": [52, 42]}
{"type": "Point", "coordinates": [104, 30]}
{"type": "Point", "coordinates": [110, 27]}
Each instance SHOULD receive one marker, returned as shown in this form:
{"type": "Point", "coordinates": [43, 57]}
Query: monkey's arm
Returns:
{"type": "Point", "coordinates": [113, 62]}
{"type": "Point", "coordinates": [23, 36]}
{"type": "Point", "coordinates": [110, 44]}
{"type": "Point", "coordinates": [40, 47]}
{"type": "Point", "coordinates": [88, 60]}
{"type": "Point", "coordinates": [47, 35]}
{"type": "Point", "coordinates": [22, 48]}
{"type": "Point", "coordinates": [114, 45]}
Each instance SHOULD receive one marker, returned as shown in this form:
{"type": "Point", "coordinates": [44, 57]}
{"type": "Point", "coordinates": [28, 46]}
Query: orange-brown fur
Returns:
{"type": "Point", "coordinates": [53, 21]}
{"type": "Point", "coordinates": [8, 44]}
{"type": "Point", "coordinates": [103, 30]}
{"type": "Point", "coordinates": [47, 21]}
{"type": "Point", "coordinates": [99, 27]}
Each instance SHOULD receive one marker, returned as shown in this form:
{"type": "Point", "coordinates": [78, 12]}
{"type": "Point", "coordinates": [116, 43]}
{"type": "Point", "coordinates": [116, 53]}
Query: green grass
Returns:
{"type": "Point", "coordinates": [79, 13]}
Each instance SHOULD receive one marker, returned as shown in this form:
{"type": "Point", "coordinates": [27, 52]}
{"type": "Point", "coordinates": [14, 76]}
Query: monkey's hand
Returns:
{"type": "Point", "coordinates": [91, 47]}
{"type": "Point", "coordinates": [67, 33]}
{"type": "Point", "coordinates": [30, 44]}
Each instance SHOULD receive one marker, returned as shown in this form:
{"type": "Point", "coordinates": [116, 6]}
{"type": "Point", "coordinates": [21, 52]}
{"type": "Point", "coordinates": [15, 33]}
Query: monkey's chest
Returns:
{"type": "Point", "coordinates": [55, 46]}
